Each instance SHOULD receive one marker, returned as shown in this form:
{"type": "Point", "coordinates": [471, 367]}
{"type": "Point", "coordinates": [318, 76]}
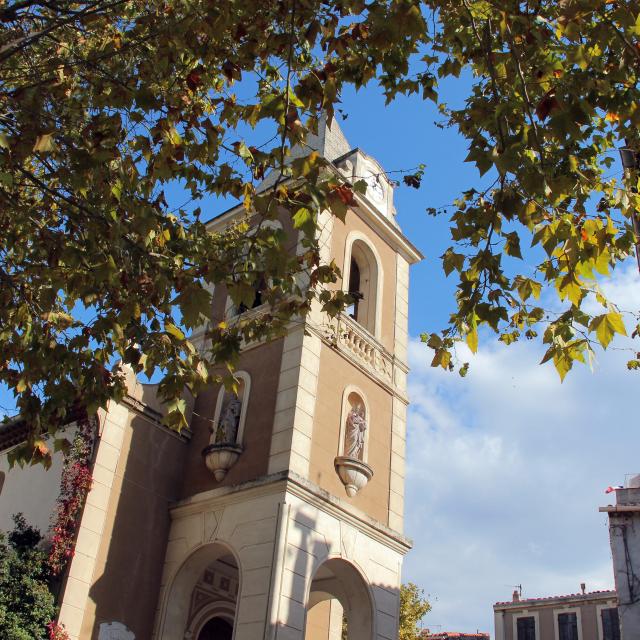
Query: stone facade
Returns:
{"type": "Point", "coordinates": [624, 534]}
{"type": "Point", "coordinates": [293, 537]}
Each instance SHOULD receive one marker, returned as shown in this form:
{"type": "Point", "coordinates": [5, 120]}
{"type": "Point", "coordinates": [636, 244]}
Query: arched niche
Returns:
{"type": "Point", "coordinates": [355, 411]}
{"type": "Point", "coordinates": [180, 618]}
{"type": "Point", "coordinates": [338, 579]}
{"type": "Point", "coordinates": [231, 412]}
{"type": "Point", "coordinates": [362, 278]}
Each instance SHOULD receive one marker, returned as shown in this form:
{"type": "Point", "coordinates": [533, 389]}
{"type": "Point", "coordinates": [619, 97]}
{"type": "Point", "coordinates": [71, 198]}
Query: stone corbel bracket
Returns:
{"type": "Point", "coordinates": [219, 458]}
{"type": "Point", "coordinates": [354, 473]}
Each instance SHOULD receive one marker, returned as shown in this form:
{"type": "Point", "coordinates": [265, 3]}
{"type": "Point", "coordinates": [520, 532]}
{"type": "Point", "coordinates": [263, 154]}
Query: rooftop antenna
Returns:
{"type": "Point", "coordinates": [516, 586]}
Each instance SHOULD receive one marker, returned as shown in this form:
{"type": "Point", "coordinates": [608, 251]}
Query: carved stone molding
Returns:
{"type": "Point", "coordinates": [354, 473]}
{"type": "Point", "coordinates": [345, 334]}
{"type": "Point", "coordinates": [219, 458]}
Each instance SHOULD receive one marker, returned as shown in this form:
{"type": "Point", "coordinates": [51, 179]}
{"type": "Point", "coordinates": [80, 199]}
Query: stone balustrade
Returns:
{"type": "Point", "coordinates": [357, 342]}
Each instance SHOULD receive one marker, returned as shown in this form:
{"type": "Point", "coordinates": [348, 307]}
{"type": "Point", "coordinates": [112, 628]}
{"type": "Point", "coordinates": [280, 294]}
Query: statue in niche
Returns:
{"type": "Point", "coordinates": [229, 422]}
{"type": "Point", "coordinates": [356, 428]}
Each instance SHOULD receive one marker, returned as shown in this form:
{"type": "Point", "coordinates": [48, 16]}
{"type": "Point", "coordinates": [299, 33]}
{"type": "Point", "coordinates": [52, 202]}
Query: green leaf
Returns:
{"type": "Point", "coordinates": [195, 306]}
{"type": "Point", "coordinates": [452, 260]}
{"type": "Point", "coordinates": [512, 245]}
{"type": "Point", "coordinates": [527, 287]}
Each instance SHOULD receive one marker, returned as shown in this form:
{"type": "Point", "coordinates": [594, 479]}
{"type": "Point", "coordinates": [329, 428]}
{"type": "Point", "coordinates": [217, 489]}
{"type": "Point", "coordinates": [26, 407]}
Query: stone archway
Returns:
{"type": "Point", "coordinates": [216, 629]}
{"type": "Point", "coordinates": [205, 587]}
{"type": "Point", "coordinates": [338, 581]}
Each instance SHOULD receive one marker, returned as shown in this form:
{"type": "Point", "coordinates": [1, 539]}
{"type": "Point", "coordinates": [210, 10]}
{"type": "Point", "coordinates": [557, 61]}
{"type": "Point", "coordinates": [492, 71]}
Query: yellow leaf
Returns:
{"type": "Point", "coordinates": [441, 358]}
{"type": "Point", "coordinates": [606, 326]}
{"type": "Point", "coordinates": [612, 117]}
{"type": "Point", "coordinates": [472, 336]}
{"type": "Point", "coordinates": [44, 142]}
{"type": "Point", "coordinates": [174, 331]}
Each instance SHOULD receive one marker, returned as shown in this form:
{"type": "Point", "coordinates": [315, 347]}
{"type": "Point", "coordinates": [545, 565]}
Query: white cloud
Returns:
{"type": "Point", "coordinates": [506, 470]}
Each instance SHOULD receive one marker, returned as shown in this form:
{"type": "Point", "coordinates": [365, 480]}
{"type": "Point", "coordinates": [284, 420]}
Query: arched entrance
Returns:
{"type": "Point", "coordinates": [216, 629]}
{"type": "Point", "coordinates": [201, 601]}
{"type": "Point", "coordinates": [339, 604]}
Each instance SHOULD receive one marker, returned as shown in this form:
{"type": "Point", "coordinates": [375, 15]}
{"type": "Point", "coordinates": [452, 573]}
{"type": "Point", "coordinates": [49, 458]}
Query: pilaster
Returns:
{"type": "Point", "coordinates": [112, 424]}
{"type": "Point", "coordinates": [295, 403]}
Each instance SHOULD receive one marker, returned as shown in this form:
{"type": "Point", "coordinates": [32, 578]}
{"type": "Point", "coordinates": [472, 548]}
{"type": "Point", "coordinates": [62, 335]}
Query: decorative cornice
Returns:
{"type": "Point", "coordinates": [380, 223]}
{"type": "Point", "coordinates": [573, 598]}
{"type": "Point", "coordinates": [288, 482]}
{"type": "Point", "coordinates": [387, 230]}
{"type": "Point", "coordinates": [154, 417]}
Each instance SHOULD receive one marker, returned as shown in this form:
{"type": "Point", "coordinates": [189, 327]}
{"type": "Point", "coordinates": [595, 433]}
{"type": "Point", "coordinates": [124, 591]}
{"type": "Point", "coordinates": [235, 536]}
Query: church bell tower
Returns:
{"type": "Point", "coordinates": [290, 520]}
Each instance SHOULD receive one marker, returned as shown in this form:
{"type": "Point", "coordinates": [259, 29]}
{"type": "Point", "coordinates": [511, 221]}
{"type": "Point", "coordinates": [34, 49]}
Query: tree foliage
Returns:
{"type": "Point", "coordinates": [413, 607]}
{"type": "Point", "coordinates": [554, 93]}
{"type": "Point", "coordinates": [103, 107]}
{"type": "Point", "coordinates": [107, 106]}
{"type": "Point", "coordinates": [26, 603]}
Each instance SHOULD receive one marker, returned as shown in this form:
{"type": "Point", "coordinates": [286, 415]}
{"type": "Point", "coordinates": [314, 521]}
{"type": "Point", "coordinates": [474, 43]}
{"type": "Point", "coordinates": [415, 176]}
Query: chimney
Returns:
{"type": "Point", "coordinates": [583, 588]}
{"type": "Point", "coordinates": [516, 596]}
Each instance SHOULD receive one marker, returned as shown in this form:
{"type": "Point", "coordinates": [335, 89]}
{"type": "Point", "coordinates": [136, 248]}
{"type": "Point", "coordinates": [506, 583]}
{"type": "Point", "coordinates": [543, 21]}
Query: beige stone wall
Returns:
{"type": "Point", "coordinates": [262, 363]}
{"type": "Point", "coordinates": [123, 529]}
{"type": "Point", "coordinates": [136, 476]}
{"type": "Point", "coordinates": [335, 374]}
{"type": "Point", "coordinates": [280, 533]}
{"type": "Point", "coordinates": [324, 621]}
{"type": "Point", "coordinates": [295, 416]}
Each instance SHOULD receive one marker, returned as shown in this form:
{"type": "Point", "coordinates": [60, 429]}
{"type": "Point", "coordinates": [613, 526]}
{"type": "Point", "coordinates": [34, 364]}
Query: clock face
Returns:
{"type": "Point", "coordinates": [375, 188]}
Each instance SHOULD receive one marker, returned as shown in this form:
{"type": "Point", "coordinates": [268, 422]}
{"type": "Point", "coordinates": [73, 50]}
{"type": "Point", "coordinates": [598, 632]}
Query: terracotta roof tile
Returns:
{"type": "Point", "coordinates": [568, 595]}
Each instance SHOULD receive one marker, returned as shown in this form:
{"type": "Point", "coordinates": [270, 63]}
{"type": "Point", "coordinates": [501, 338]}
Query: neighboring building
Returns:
{"type": "Point", "coordinates": [281, 509]}
{"type": "Point", "coordinates": [578, 616]}
{"type": "Point", "coordinates": [36, 503]}
{"type": "Point", "coordinates": [624, 534]}
{"type": "Point", "coordinates": [453, 635]}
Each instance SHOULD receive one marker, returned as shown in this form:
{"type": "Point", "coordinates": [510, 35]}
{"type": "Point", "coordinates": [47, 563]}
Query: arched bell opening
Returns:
{"type": "Point", "coordinates": [363, 280]}
{"type": "Point", "coordinates": [339, 606]}
{"type": "Point", "coordinates": [202, 599]}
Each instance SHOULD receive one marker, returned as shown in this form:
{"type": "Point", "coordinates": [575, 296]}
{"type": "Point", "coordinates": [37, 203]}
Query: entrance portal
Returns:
{"type": "Point", "coordinates": [216, 629]}
{"type": "Point", "coordinates": [202, 600]}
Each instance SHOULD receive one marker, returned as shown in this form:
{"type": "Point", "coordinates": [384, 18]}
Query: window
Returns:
{"type": "Point", "coordinates": [259, 288]}
{"type": "Point", "coordinates": [567, 626]}
{"type": "Point", "coordinates": [610, 624]}
{"type": "Point", "coordinates": [526, 628]}
{"type": "Point", "coordinates": [363, 282]}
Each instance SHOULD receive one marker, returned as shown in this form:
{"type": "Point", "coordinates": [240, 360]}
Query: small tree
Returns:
{"type": "Point", "coordinates": [413, 606]}
{"type": "Point", "coordinates": [26, 603]}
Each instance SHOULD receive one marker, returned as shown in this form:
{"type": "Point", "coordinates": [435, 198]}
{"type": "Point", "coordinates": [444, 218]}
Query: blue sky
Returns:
{"type": "Point", "coordinates": [506, 468]}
